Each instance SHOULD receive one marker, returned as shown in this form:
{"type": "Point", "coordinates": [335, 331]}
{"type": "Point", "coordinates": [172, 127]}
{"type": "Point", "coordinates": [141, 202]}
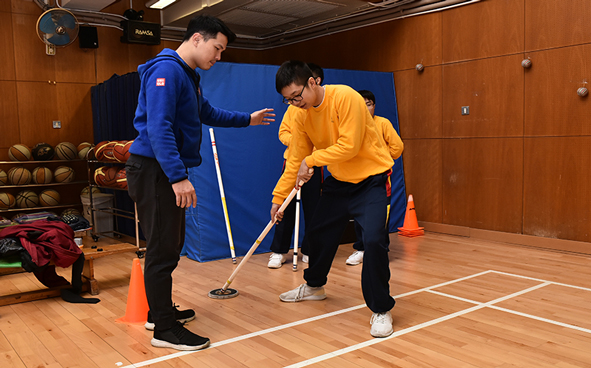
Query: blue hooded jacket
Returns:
{"type": "Point", "coordinates": [169, 115]}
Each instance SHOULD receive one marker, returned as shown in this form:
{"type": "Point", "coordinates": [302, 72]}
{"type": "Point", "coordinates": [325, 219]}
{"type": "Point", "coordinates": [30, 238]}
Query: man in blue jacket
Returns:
{"type": "Point", "coordinates": [168, 119]}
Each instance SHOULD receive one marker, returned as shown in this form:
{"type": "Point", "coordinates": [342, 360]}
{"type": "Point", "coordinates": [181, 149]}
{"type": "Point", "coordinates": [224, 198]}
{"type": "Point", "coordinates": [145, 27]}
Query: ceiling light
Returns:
{"type": "Point", "coordinates": [159, 4]}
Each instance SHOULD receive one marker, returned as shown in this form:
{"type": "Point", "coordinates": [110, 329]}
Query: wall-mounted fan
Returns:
{"type": "Point", "coordinates": [57, 27]}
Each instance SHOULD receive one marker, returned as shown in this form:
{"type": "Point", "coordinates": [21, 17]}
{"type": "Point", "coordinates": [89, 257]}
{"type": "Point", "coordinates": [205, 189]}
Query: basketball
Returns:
{"type": "Point", "coordinates": [99, 150]}
{"type": "Point", "coordinates": [121, 179]}
{"type": "Point", "coordinates": [63, 174]}
{"type": "Point", "coordinates": [49, 197]}
{"type": "Point", "coordinates": [83, 149]}
{"type": "Point", "coordinates": [106, 152]}
{"type": "Point", "coordinates": [70, 211]}
{"type": "Point", "coordinates": [27, 199]}
{"type": "Point", "coordinates": [3, 177]}
{"type": "Point", "coordinates": [121, 151]}
{"type": "Point", "coordinates": [110, 179]}
{"type": "Point", "coordinates": [66, 151]}
{"type": "Point", "coordinates": [43, 152]}
{"type": "Point", "coordinates": [42, 175]}
{"type": "Point", "coordinates": [86, 190]}
{"type": "Point", "coordinates": [19, 176]}
{"type": "Point", "coordinates": [6, 200]}
{"type": "Point", "coordinates": [19, 152]}
{"type": "Point", "coordinates": [99, 177]}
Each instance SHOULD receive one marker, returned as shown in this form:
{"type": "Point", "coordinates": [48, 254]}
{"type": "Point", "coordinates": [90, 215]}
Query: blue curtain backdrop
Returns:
{"type": "Point", "coordinates": [251, 158]}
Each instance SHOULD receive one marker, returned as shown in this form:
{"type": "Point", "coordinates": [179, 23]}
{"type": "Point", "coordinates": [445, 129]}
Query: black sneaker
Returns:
{"type": "Point", "coordinates": [178, 337]}
{"type": "Point", "coordinates": [180, 315]}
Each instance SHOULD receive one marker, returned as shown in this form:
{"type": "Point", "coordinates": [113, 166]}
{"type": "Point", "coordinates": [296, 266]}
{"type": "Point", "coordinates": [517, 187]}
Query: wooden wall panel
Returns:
{"type": "Point", "coordinates": [37, 108]}
{"type": "Point", "coordinates": [7, 71]}
{"type": "Point", "coordinates": [75, 65]}
{"type": "Point", "coordinates": [485, 29]}
{"type": "Point", "coordinates": [24, 7]}
{"type": "Point", "coordinates": [493, 89]}
{"type": "Point", "coordinates": [74, 110]}
{"type": "Point", "coordinates": [556, 23]}
{"type": "Point", "coordinates": [404, 43]}
{"type": "Point", "coordinates": [556, 187]}
{"type": "Point", "coordinates": [483, 183]}
{"type": "Point", "coordinates": [9, 133]}
{"type": "Point", "coordinates": [419, 102]}
{"type": "Point", "coordinates": [552, 106]}
{"type": "Point", "coordinates": [112, 56]}
{"type": "Point", "coordinates": [393, 47]}
{"type": "Point", "coordinates": [422, 174]}
{"type": "Point", "coordinates": [31, 62]}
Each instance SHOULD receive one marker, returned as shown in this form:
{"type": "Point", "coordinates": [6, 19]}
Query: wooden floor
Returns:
{"type": "Point", "coordinates": [460, 303]}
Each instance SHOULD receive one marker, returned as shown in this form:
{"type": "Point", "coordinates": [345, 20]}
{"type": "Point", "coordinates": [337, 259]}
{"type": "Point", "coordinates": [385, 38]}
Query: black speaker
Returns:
{"type": "Point", "coordinates": [88, 37]}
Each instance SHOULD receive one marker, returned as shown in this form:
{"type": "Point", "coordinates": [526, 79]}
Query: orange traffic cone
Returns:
{"type": "Point", "coordinates": [137, 303]}
{"type": "Point", "coordinates": [410, 227]}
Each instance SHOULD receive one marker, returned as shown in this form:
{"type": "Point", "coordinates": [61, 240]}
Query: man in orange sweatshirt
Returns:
{"type": "Point", "coordinates": [347, 141]}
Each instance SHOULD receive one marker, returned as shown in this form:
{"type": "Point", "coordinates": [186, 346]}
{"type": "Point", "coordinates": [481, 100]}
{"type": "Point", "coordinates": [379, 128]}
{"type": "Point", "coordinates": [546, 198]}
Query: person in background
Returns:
{"type": "Point", "coordinates": [310, 192]}
{"type": "Point", "coordinates": [168, 119]}
{"type": "Point", "coordinates": [395, 146]}
{"type": "Point", "coordinates": [339, 132]}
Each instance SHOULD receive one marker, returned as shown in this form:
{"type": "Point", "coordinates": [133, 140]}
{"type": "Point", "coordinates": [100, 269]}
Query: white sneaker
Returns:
{"type": "Point", "coordinates": [381, 324]}
{"type": "Point", "coordinates": [355, 258]}
{"type": "Point", "coordinates": [305, 258]}
{"type": "Point", "coordinates": [276, 260]}
{"type": "Point", "coordinates": [303, 292]}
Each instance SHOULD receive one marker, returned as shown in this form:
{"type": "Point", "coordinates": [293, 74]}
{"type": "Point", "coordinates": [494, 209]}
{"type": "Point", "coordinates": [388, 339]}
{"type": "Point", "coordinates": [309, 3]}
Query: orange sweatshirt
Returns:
{"type": "Point", "coordinates": [292, 114]}
{"type": "Point", "coordinates": [392, 138]}
{"type": "Point", "coordinates": [346, 138]}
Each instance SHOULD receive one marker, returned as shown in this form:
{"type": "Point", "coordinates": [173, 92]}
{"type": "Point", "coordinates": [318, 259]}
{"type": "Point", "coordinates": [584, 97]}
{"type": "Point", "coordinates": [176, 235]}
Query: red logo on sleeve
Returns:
{"type": "Point", "coordinates": [160, 82]}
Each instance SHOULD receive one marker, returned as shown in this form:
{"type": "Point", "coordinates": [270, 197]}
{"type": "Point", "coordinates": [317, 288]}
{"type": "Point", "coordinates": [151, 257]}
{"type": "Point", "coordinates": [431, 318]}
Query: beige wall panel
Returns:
{"type": "Point", "coordinates": [422, 176]}
{"type": "Point", "coordinates": [23, 6]}
{"type": "Point", "coordinates": [552, 106]}
{"type": "Point", "coordinates": [7, 71]}
{"type": "Point", "coordinates": [556, 23]}
{"type": "Point", "coordinates": [483, 182]}
{"type": "Point", "coordinates": [556, 187]}
{"type": "Point", "coordinates": [419, 102]}
{"type": "Point", "coordinates": [9, 133]}
{"type": "Point", "coordinates": [31, 62]}
{"type": "Point", "coordinates": [37, 109]}
{"type": "Point", "coordinates": [75, 112]}
{"type": "Point", "coordinates": [484, 29]}
{"type": "Point", "coordinates": [493, 90]}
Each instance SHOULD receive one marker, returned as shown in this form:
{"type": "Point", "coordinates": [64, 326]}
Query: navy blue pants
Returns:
{"type": "Point", "coordinates": [284, 229]}
{"type": "Point", "coordinates": [163, 225]}
{"type": "Point", "coordinates": [367, 203]}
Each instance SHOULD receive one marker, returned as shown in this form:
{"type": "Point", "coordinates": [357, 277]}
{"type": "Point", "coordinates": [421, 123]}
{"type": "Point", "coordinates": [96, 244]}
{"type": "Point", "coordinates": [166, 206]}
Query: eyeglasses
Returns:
{"type": "Point", "coordinates": [298, 98]}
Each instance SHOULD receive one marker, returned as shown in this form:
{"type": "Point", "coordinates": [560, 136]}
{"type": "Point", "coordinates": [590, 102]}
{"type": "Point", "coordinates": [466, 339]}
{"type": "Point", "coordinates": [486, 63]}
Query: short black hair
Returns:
{"type": "Point", "coordinates": [368, 95]}
{"type": "Point", "coordinates": [292, 71]}
{"type": "Point", "coordinates": [208, 27]}
{"type": "Point", "coordinates": [317, 71]}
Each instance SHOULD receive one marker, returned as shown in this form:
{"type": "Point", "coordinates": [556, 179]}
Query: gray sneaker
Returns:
{"type": "Point", "coordinates": [303, 292]}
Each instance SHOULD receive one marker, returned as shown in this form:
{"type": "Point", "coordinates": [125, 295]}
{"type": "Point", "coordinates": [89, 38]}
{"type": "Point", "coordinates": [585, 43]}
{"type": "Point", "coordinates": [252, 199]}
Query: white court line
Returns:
{"type": "Point", "coordinates": [561, 324]}
{"type": "Point", "coordinates": [367, 343]}
{"type": "Point", "coordinates": [296, 323]}
{"type": "Point", "coordinates": [540, 280]}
